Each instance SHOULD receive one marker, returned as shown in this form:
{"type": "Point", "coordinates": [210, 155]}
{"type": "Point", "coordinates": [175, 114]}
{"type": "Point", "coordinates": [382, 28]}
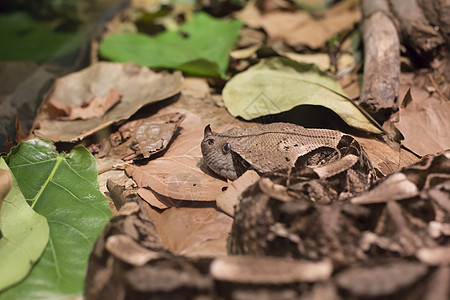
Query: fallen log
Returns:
{"type": "Point", "coordinates": [381, 62]}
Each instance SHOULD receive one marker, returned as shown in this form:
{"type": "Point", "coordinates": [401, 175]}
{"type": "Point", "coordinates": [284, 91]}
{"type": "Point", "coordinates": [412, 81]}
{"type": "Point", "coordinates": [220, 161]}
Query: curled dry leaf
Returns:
{"type": "Point", "coordinates": [142, 138]}
{"type": "Point", "coordinates": [230, 197]}
{"type": "Point", "coordinates": [194, 231]}
{"type": "Point", "coordinates": [92, 108]}
{"type": "Point", "coordinates": [179, 174]}
{"type": "Point", "coordinates": [139, 86]}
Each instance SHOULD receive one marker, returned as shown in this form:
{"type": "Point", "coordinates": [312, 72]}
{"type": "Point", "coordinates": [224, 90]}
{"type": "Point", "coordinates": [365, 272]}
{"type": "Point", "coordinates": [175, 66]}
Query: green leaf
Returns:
{"type": "Point", "coordinates": [279, 84]}
{"type": "Point", "coordinates": [24, 235]}
{"type": "Point", "coordinates": [64, 189]}
{"type": "Point", "coordinates": [22, 38]}
{"type": "Point", "coordinates": [203, 52]}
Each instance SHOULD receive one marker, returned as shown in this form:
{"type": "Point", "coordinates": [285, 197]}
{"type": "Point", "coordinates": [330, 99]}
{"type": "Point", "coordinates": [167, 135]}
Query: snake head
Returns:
{"type": "Point", "coordinates": [217, 154]}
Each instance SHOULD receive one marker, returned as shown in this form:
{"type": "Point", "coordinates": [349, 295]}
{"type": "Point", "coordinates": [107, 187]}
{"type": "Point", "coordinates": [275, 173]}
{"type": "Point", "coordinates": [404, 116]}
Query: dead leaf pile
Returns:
{"type": "Point", "coordinates": [175, 222]}
{"type": "Point", "coordinates": [178, 174]}
{"type": "Point", "coordinates": [140, 138]}
{"type": "Point", "coordinates": [299, 28]}
{"type": "Point", "coordinates": [102, 85]}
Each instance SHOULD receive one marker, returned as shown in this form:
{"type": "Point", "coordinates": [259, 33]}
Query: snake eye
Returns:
{"type": "Point", "coordinates": [226, 148]}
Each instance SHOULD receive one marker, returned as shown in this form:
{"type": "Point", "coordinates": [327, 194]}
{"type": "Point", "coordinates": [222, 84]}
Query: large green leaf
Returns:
{"type": "Point", "coordinates": [22, 38]}
{"type": "Point", "coordinates": [24, 235]}
{"type": "Point", "coordinates": [279, 84]}
{"type": "Point", "coordinates": [200, 47]}
{"type": "Point", "coordinates": [64, 189]}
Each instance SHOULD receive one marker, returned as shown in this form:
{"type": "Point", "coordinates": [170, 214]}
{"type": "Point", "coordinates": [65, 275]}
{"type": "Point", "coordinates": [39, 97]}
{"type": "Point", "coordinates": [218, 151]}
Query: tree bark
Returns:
{"type": "Point", "coordinates": [381, 62]}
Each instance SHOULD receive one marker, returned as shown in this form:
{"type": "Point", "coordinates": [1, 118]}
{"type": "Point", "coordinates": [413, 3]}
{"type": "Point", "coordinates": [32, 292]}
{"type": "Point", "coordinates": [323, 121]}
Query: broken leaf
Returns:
{"type": "Point", "coordinates": [139, 86]}
{"type": "Point", "coordinates": [279, 84]}
{"type": "Point", "coordinates": [194, 231]}
{"type": "Point", "coordinates": [143, 137]}
{"type": "Point", "coordinates": [178, 173]}
{"type": "Point", "coordinates": [203, 52]}
{"type": "Point", "coordinates": [24, 233]}
{"type": "Point", "coordinates": [64, 189]}
{"type": "Point", "coordinates": [93, 108]}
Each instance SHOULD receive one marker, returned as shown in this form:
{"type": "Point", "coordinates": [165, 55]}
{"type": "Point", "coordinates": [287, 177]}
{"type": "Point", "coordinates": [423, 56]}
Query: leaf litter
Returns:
{"type": "Point", "coordinates": [138, 85]}
{"type": "Point", "coordinates": [194, 231]}
{"type": "Point", "coordinates": [180, 174]}
{"type": "Point", "coordinates": [171, 177]}
{"type": "Point", "coordinates": [434, 125]}
{"type": "Point", "coordinates": [299, 28]}
{"type": "Point", "coordinates": [140, 138]}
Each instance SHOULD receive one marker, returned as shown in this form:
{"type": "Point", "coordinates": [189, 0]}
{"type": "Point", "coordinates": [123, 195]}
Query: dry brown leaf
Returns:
{"type": "Point", "coordinates": [93, 108]}
{"type": "Point", "coordinates": [141, 138]}
{"type": "Point", "coordinates": [299, 28]}
{"type": "Point", "coordinates": [139, 85]}
{"type": "Point", "coordinates": [282, 24]}
{"type": "Point", "coordinates": [384, 158]}
{"type": "Point", "coordinates": [425, 123]}
{"type": "Point", "coordinates": [154, 199]}
{"type": "Point", "coordinates": [195, 87]}
{"type": "Point", "coordinates": [5, 184]}
{"type": "Point", "coordinates": [230, 197]}
{"type": "Point", "coordinates": [195, 99]}
{"type": "Point", "coordinates": [250, 15]}
{"type": "Point", "coordinates": [194, 231]}
{"type": "Point", "coordinates": [178, 174]}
